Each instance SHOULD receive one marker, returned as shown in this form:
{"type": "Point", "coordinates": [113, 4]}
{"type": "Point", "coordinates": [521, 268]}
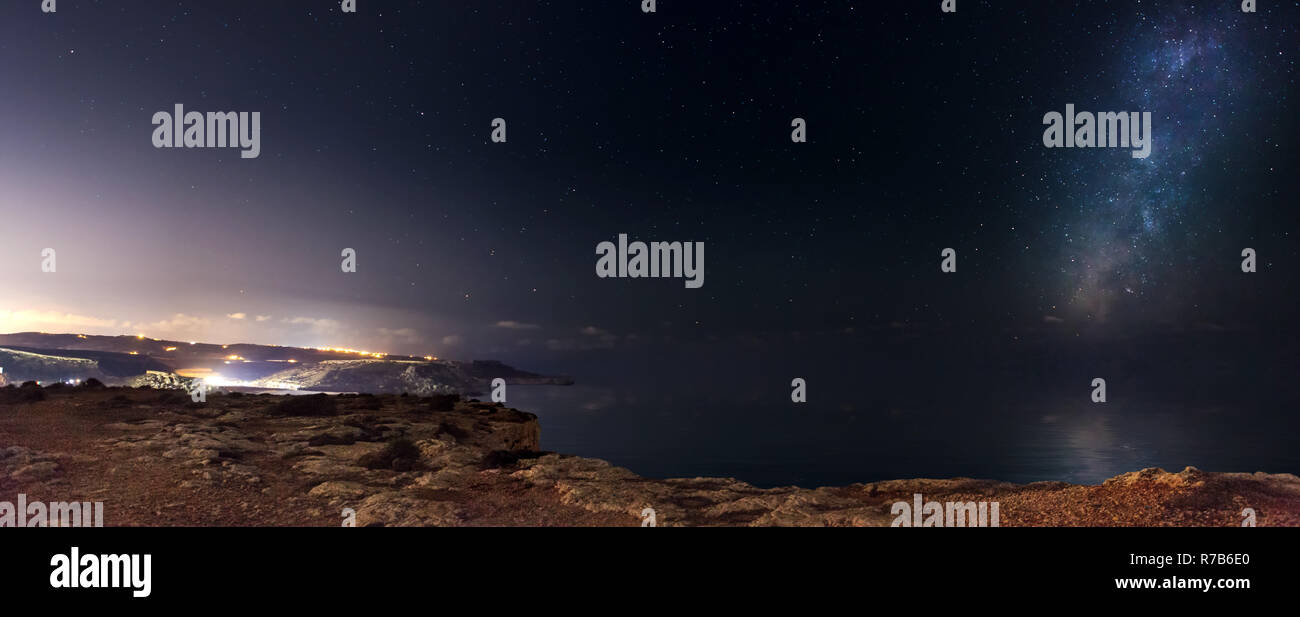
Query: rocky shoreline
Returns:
{"type": "Point", "coordinates": [155, 458]}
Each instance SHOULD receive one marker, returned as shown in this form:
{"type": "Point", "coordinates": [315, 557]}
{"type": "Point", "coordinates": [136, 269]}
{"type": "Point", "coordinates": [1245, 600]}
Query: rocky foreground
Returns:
{"type": "Point", "coordinates": [155, 458]}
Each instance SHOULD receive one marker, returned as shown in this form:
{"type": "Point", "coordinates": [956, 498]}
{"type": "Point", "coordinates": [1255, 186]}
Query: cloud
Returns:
{"type": "Point", "coordinates": [180, 323]}
{"type": "Point", "coordinates": [29, 320]}
{"type": "Point", "coordinates": [319, 326]}
{"type": "Point", "coordinates": [593, 338]}
{"type": "Point", "coordinates": [516, 325]}
{"type": "Point", "coordinates": [451, 340]}
{"type": "Point", "coordinates": [262, 317]}
{"type": "Point", "coordinates": [402, 335]}
{"type": "Point", "coordinates": [236, 315]}
{"type": "Point", "coordinates": [572, 344]}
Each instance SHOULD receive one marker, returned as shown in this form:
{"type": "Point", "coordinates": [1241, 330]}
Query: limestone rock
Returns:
{"type": "Point", "coordinates": [397, 509]}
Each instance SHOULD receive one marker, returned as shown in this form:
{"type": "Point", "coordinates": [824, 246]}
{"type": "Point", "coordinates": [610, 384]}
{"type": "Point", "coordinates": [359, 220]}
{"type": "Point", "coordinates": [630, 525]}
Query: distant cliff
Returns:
{"type": "Point", "coordinates": [136, 360]}
{"type": "Point", "coordinates": [420, 378]}
{"type": "Point", "coordinates": [22, 365]}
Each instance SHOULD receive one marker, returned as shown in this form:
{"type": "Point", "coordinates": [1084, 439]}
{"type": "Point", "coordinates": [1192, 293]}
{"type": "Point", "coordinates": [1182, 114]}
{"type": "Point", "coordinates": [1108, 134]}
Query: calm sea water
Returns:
{"type": "Point", "coordinates": [956, 410]}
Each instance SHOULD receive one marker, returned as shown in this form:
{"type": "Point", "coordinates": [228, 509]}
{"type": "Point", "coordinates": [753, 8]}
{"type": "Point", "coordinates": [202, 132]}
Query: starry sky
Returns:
{"type": "Point", "coordinates": [924, 132]}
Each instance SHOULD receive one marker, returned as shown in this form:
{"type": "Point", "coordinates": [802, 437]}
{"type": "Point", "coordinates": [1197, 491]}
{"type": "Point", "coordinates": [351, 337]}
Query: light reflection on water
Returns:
{"type": "Point", "coordinates": [658, 433]}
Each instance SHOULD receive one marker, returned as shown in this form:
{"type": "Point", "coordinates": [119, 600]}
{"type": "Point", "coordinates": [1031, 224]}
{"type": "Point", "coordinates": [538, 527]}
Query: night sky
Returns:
{"type": "Point", "coordinates": [924, 132]}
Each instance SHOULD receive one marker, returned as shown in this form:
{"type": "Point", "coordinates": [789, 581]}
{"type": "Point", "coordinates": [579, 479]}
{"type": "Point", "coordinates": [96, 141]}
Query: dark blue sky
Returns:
{"type": "Point", "coordinates": [924, 133]}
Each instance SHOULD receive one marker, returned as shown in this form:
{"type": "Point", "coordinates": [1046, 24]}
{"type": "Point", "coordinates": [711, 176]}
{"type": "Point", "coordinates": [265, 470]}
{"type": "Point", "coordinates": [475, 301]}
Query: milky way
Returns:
{"type": "Point", "coordinates": [1139, 221]}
